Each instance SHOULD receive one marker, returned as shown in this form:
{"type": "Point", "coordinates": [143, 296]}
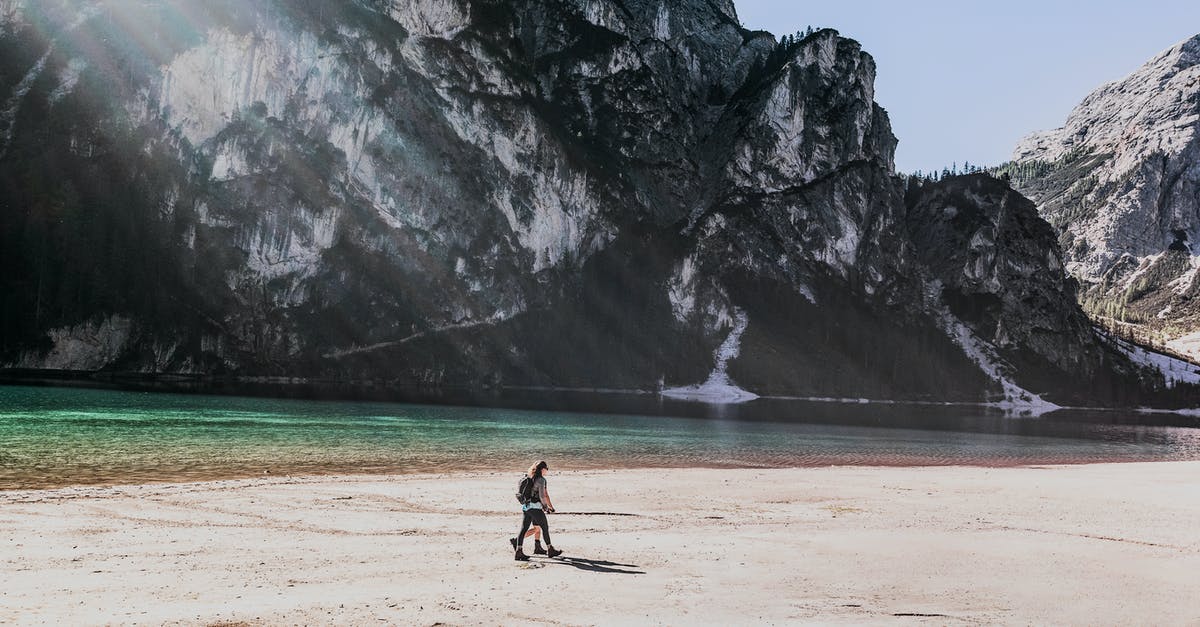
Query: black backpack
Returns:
{"type": "Point", "coordinates": [525, 493]}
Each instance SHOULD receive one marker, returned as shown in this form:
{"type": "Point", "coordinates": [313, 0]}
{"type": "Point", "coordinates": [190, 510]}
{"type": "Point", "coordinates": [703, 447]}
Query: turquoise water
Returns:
{"type": "Point", "coordinates": [63, 436]}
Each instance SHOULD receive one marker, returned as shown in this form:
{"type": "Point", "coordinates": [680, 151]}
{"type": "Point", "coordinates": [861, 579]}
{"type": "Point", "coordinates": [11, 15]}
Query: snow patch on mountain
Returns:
{"type": "Point", "coordinates": [719, 388]}
{"type": "Point", "coordinates": [807, 293]}
{"type": "Point", "coordinates": [1188, 345]}
{"type": "Point", "coordinates": [1016, 398]}
{"type": "Point", "coordinates": [1173, 369]}
{"type": "Point", "coordinates": [984, 355]}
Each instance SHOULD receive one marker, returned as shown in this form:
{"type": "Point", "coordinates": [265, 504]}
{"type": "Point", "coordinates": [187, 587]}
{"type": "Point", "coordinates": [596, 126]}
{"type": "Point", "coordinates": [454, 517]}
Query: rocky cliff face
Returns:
{"type": "Point", "coordinates": [1000, 273]}
{"type": "Point", "coordinates": [1120, 181]}
{"type": "Point", "coordinates": [598, 193]}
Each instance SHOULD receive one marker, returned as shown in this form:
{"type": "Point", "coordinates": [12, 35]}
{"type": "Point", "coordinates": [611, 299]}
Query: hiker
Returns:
{"type": "Point", "coordinates": [535, 502]}
{"type": "Point", "coordinates": [536, 533]}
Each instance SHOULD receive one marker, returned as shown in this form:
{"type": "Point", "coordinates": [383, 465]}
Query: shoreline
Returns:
{"type": "Point", "coordinates": [341, 475]}
{"type": "Point", "coordinates": [676, 546]}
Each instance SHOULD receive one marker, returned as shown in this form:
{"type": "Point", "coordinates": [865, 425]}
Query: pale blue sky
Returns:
{"type": "Point", "coordinates": [965, 80]}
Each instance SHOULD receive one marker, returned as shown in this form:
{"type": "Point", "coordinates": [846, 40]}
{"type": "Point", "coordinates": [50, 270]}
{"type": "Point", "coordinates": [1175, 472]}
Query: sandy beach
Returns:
{"type": "Point", "coordinates": [1101, 544]}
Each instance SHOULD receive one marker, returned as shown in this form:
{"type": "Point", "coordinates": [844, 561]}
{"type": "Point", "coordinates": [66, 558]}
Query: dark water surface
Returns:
{"type": "Point", "coordinates": [55, 436]}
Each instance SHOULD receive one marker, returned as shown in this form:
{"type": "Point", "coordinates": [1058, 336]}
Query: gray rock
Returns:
{"type": "Point", "coordinates": [593, 193]}
{"type": "Point", "coordinates": [1121, 183]}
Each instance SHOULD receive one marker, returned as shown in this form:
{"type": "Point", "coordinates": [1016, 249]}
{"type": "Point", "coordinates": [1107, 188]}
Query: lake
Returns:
{"type": "Point", "coordinates": [57, 436]}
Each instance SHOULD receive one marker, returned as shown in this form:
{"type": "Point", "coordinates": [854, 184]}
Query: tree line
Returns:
{"type": "Point", "coordinates": [921, 176]}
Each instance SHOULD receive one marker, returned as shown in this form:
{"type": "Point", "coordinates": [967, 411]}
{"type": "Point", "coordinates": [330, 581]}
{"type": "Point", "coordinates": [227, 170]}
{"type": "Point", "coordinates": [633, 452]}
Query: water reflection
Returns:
{"type": "Point", "coordinates": [58, 436]}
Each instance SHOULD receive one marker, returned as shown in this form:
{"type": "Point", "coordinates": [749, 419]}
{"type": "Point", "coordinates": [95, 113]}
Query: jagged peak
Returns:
{"type": "Point", "coordinates": [726, 7]}
{"type": "Point", "coordinates": [1154, 99]}
{"type": "Point", "coordinates": [1187, 50]}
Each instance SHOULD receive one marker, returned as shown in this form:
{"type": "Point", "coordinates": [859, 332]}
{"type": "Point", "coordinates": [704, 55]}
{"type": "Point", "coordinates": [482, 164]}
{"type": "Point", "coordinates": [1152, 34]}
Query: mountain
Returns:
{"type": "Point", "coordinates": [588, 193]}
{"type": "Point", "coordinates": [1120, 182]}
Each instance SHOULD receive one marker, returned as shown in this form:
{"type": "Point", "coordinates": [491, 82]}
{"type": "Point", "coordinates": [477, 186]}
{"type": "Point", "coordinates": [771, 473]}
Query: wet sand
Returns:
{"type": "Point", "coordinates": [1095, 544]}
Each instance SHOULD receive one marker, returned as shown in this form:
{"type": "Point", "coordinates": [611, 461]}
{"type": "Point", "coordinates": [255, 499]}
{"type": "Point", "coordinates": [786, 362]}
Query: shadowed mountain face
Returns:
{"type": "Point", "coordinates": [584, 193]}
{"type": "Point", "coordinates": [1120, 181]}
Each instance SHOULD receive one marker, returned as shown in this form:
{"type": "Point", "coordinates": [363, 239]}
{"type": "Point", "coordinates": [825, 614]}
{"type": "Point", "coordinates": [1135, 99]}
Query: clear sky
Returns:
{"type": "Point", "coordinates": [965, 80]}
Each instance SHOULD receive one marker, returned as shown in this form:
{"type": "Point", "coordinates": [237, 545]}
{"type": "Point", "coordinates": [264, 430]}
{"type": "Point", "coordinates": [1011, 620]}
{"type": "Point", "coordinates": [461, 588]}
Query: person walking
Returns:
{"type": "Point", "coordinates": [534, 532]}
{"type": "Point", "coordinates": [535, 502]}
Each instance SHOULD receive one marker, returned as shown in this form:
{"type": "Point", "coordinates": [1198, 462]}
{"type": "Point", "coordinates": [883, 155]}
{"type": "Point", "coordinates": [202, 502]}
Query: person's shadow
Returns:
{"type": "Point", "coordinates": [595, 566]}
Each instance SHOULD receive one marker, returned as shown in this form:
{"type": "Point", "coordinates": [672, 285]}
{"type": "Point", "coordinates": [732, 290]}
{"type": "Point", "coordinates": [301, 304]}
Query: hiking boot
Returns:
{"type": "Point", "coordinates": [521, 556]}
{"type": "Point", "coordinates": [538, 550]}
{"type": "Point", "coordinates": [513, 541]}
{"type": "Point", "coordinates": [553, 552]}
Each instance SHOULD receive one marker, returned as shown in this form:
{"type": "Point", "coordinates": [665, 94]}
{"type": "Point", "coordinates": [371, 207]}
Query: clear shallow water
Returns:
{"type": "Point", "coordinates": [62, 436]}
